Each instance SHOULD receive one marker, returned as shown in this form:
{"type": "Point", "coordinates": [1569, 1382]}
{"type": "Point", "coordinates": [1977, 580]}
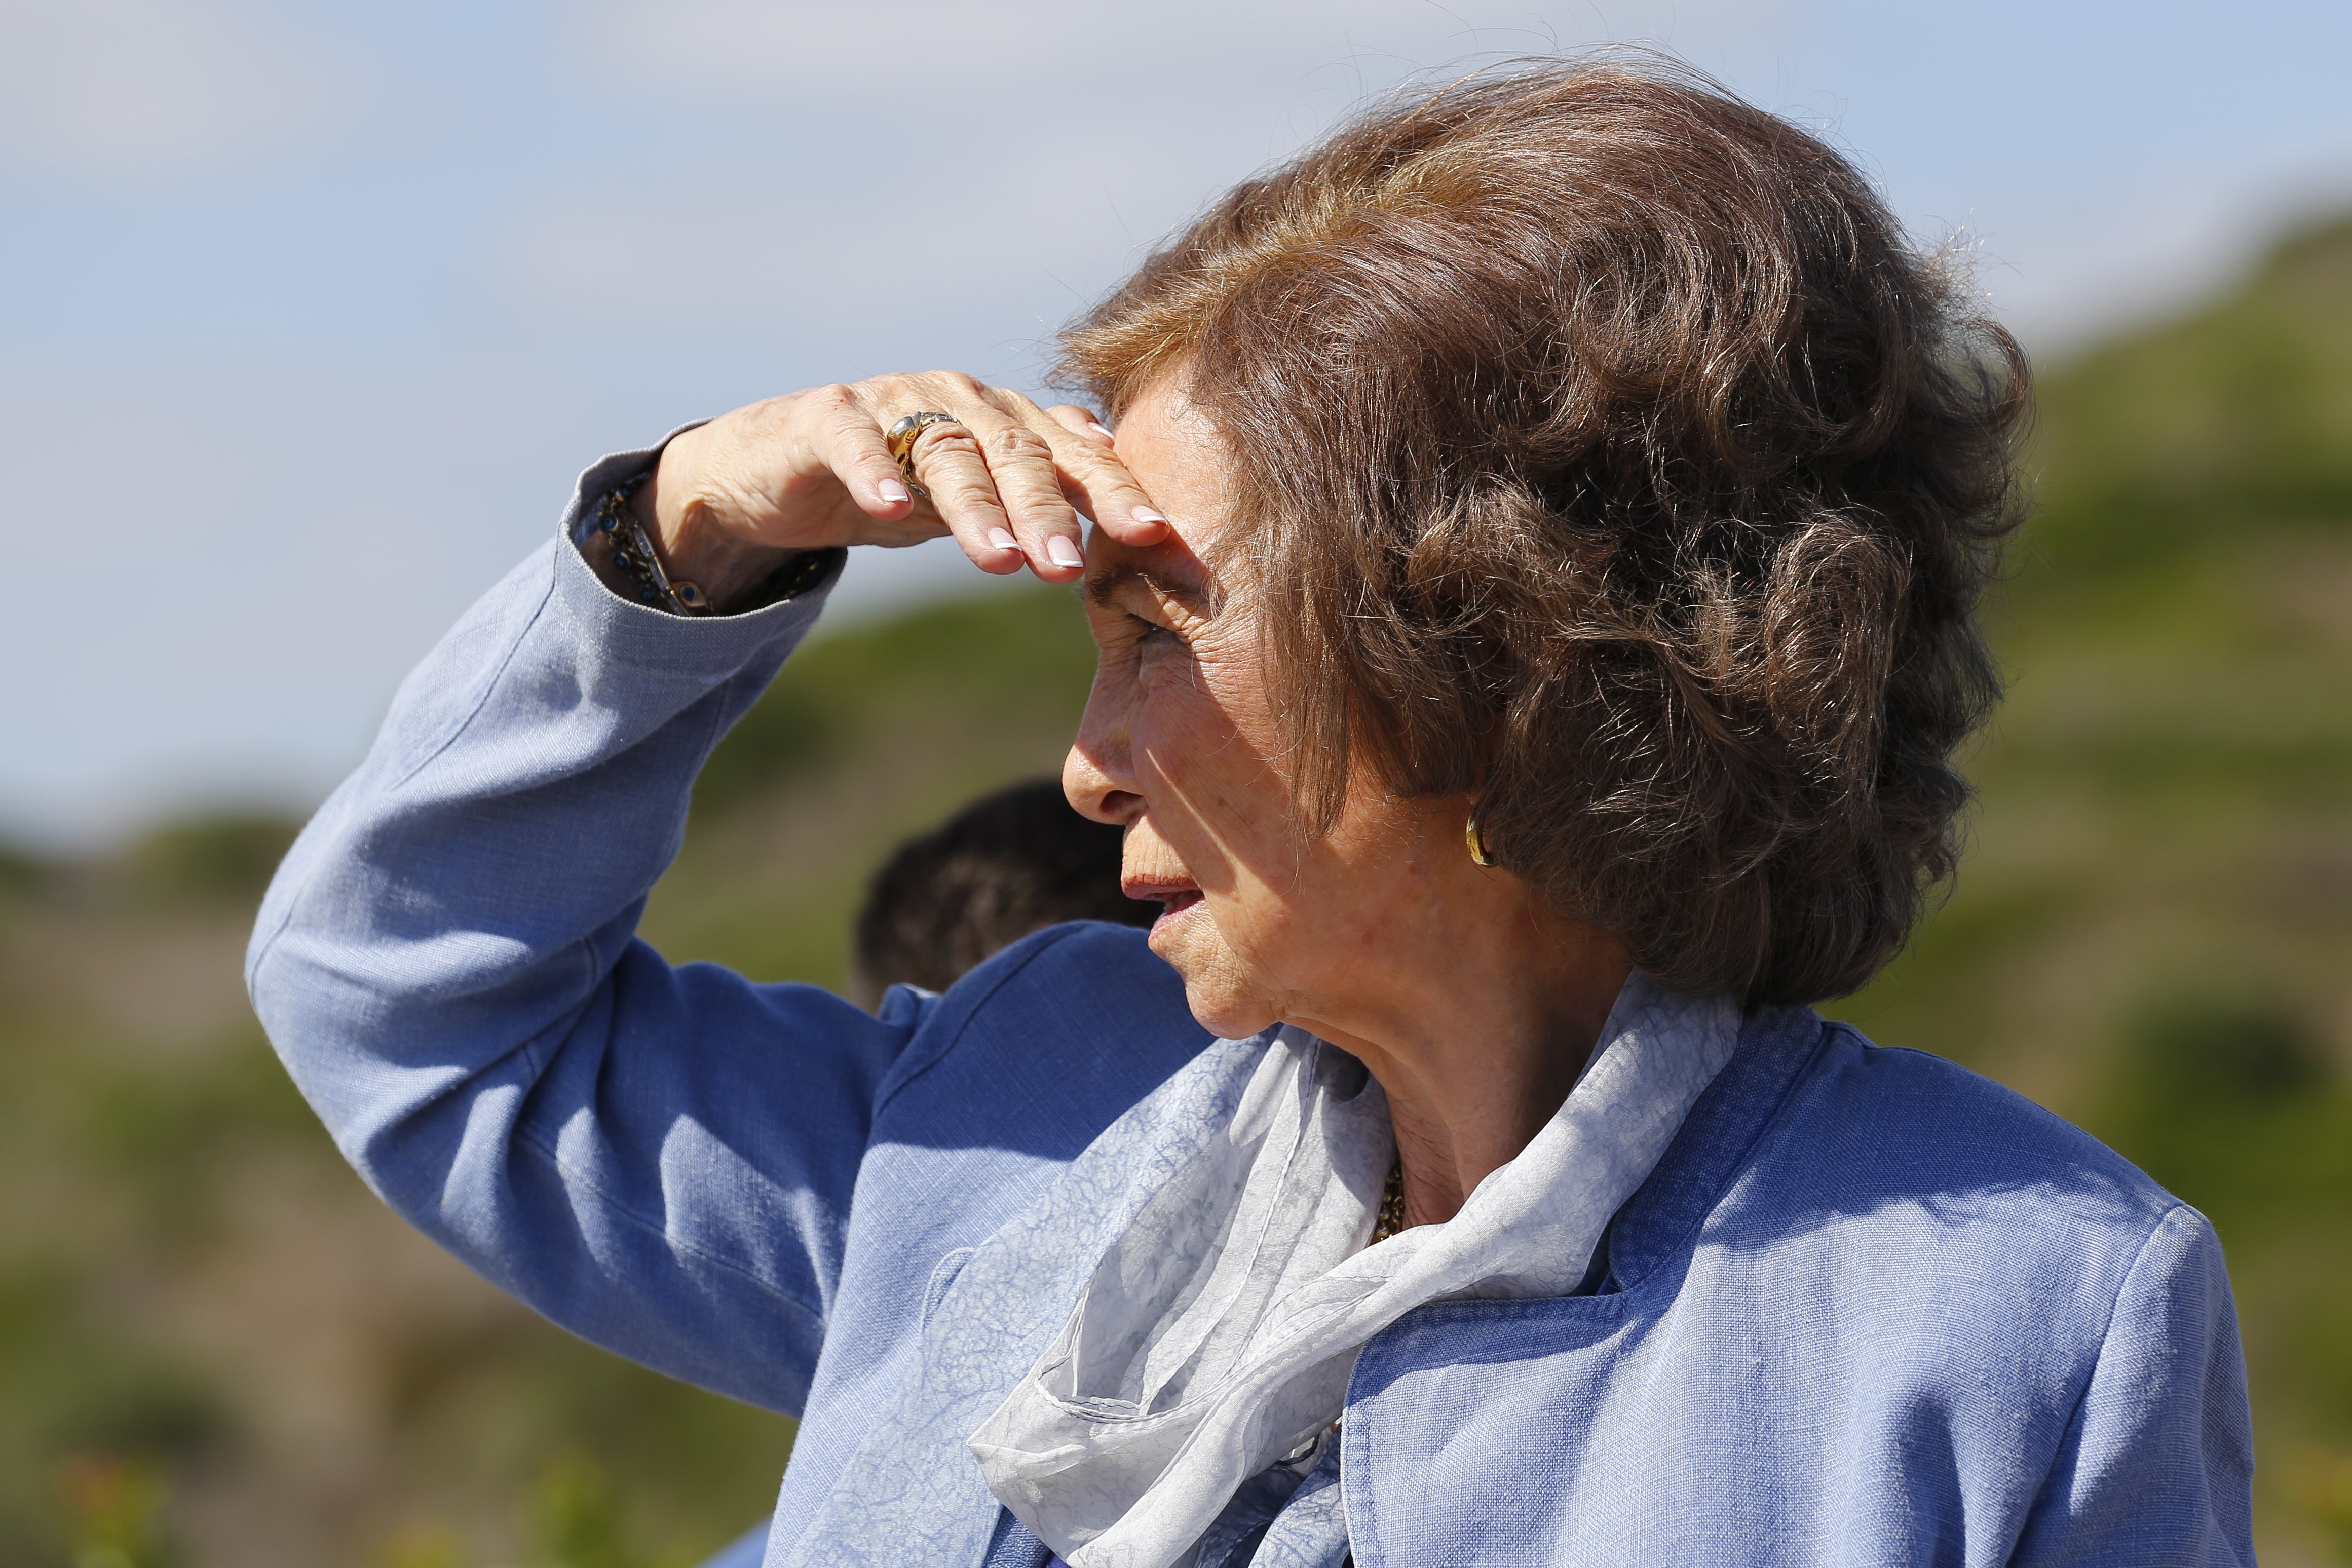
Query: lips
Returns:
{"type": "Point", "coordinates": [1172, 910]}
{"type": "Point", "coordinates": [1174, 897]}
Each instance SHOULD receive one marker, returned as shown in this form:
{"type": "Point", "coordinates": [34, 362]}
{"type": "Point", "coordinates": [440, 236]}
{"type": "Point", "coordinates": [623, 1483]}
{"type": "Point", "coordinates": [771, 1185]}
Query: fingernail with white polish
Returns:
{"type": "Point", "coordinates": [890, 490]}
{"type": "Point", "coordinates": [1003, 539]}
{"type": "Point", "coordinates": [1098, 430]}
{"type": "Point", "coordinates": [1062, 552]}
{"type": "Point", "coordinates": [1145, 515]}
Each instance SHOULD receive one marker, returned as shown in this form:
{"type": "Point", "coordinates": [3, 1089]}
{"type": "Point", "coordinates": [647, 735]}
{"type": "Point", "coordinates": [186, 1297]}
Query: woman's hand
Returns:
{"type": "Point", "coordinates": [1009, 480]}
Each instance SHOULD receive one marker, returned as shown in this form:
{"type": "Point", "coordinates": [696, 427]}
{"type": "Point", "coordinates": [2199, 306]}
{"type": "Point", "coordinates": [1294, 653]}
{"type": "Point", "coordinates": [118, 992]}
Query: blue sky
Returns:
{"type": "Point", "coordinates": [310, 312]}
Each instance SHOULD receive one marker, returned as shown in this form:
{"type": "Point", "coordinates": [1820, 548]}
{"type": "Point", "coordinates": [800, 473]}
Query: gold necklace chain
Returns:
{"type": "Point", "coordinates": [1392, 1215]}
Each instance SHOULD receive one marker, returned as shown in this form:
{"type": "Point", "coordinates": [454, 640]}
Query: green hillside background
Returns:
{"type": "Point", "coordinates": [216, 1350]}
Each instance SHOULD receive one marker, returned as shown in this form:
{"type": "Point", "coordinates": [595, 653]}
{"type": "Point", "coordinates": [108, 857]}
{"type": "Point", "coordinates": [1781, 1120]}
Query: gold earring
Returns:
{"type": "Point", "coordinates": [1476, 841]}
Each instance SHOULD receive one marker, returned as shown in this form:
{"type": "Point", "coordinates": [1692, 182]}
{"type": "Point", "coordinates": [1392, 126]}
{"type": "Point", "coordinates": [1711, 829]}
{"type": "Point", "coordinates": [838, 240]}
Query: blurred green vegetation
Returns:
{"type": "Point", "coordinates": [216, 1349]}
{"type": "Point", "coordinates": [2153, 932]}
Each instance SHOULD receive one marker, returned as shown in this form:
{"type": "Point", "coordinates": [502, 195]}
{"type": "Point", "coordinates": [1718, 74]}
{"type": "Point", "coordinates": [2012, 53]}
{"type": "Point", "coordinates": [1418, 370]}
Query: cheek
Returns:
{"type": "Point", "coordinates": [1205, 744]}
{"type": "Point", "coordinates": [1181, 733]}
{"type": "Point", "coordinates": [1194, 732]}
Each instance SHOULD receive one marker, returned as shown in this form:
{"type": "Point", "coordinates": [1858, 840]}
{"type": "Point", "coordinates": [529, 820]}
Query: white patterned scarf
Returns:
{"type": "Point", "coordinates": [1219, 1331]}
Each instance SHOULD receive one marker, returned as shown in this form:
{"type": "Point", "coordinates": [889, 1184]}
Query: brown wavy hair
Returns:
{"type": "Point", "coordinates": [1611, 459]}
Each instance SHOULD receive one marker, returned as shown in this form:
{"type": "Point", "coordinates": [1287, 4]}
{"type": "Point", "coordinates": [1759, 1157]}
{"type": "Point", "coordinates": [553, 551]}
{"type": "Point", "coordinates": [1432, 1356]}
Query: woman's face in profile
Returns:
{"type": "Point", "coordinates": [1180, 745]}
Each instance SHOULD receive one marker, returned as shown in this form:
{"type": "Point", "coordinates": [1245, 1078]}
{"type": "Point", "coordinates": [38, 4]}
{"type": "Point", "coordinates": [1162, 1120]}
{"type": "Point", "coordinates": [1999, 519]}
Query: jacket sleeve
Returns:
{"type": "Point", "coordinates": [2156, 1466]}
{"type": "Point", "coordinates": [660, 1159]}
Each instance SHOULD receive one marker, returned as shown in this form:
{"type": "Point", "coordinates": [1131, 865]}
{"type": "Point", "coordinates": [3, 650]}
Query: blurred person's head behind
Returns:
{"type": "Point", "coordinates": [1009, 863]}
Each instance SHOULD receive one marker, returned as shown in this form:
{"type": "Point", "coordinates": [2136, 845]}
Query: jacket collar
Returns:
{"type": "Point", "coordinates": [912, 1492]}
{"type": "Point", "coordinates": [1776, 1046]}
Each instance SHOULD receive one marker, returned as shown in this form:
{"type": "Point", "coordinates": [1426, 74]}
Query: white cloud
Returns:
{"type": "Point", "coordinates": [116, 88]}
{"type": "Point", "coordinates": [1031, 227]}
{"type": "Point", "coordinates": [1109, 53]}
{"type": "Point", "coordinates": [910, 155]}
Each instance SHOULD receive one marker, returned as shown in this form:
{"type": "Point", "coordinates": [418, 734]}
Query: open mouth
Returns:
{"type": "Point", "coordinates": [1174, 898]}
{"type": "Point", "coordinates": [1173, 907]}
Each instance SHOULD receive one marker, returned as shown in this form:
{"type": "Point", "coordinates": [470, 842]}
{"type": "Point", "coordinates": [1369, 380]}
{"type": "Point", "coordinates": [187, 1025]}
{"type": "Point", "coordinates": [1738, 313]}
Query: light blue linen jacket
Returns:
{"type": "Point", "coordinates": [1869, 1309]}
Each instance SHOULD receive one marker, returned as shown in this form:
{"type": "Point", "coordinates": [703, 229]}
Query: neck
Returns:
{"type": "Point", "coordinates": [1479, 1042]}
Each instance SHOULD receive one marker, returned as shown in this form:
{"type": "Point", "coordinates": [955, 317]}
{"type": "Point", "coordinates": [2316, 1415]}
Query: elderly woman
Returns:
{"type": "Point", "coordinates": [1533, 576]}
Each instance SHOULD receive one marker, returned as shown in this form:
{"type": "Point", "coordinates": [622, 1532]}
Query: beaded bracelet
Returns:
{"type": "Point", "coordinates": [634, 556]}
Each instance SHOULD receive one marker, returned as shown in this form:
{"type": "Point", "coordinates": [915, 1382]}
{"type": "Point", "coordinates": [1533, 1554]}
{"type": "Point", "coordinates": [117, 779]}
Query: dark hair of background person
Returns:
{"type": "Point", "coordinates": [1005, 866]}
{"type": "Point", "coordinates": [1610, 457]}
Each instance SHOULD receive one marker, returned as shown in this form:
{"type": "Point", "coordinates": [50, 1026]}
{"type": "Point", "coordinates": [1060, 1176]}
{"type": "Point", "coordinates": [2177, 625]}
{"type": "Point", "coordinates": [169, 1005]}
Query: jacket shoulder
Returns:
{"type": "Point", "coordinates": [1898, 1150]}
{"type": "Point", "coordinates": [1973, 1128]}
{"type": "Point", "coordinates": [1906, 1307]}
{"type": "Point", "coordinates": [1051, 1039]}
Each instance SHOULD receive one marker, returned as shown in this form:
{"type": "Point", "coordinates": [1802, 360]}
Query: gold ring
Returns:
{"type": "Point", "coordinates": [902, 436]}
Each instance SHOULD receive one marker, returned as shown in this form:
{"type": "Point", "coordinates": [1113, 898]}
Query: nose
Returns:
{"type": "Point", "coordinates": [1098, 775]}
{"type": "Point", "coordinates": [1093, 788]}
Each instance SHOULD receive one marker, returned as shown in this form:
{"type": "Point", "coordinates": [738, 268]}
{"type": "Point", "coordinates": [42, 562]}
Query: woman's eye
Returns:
{"type": "Point", "coordinates": [1151, 633]}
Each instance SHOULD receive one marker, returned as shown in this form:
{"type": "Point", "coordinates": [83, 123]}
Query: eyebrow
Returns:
{"type": "Point", "coordinates": [1102, 590]}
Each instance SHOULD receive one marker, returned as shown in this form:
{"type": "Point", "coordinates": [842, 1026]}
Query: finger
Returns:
{"type": "Point", "coordinates": [1080, 420]}
{"type": "Point", "coordinates": [859, 455]}
{"type": "Point", "coordinates": [1100, 482]}
{"type": "Point", "coordinates": [947, 461]}
{"type": "Point", "coordinates": [1029, 483]}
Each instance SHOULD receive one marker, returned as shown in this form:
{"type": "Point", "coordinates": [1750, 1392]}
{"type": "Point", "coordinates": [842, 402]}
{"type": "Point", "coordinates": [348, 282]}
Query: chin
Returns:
{"type": "Point", "coordinates": [1226, 1017]}
{"type": "Point", "coordinates": [1219, 997]}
